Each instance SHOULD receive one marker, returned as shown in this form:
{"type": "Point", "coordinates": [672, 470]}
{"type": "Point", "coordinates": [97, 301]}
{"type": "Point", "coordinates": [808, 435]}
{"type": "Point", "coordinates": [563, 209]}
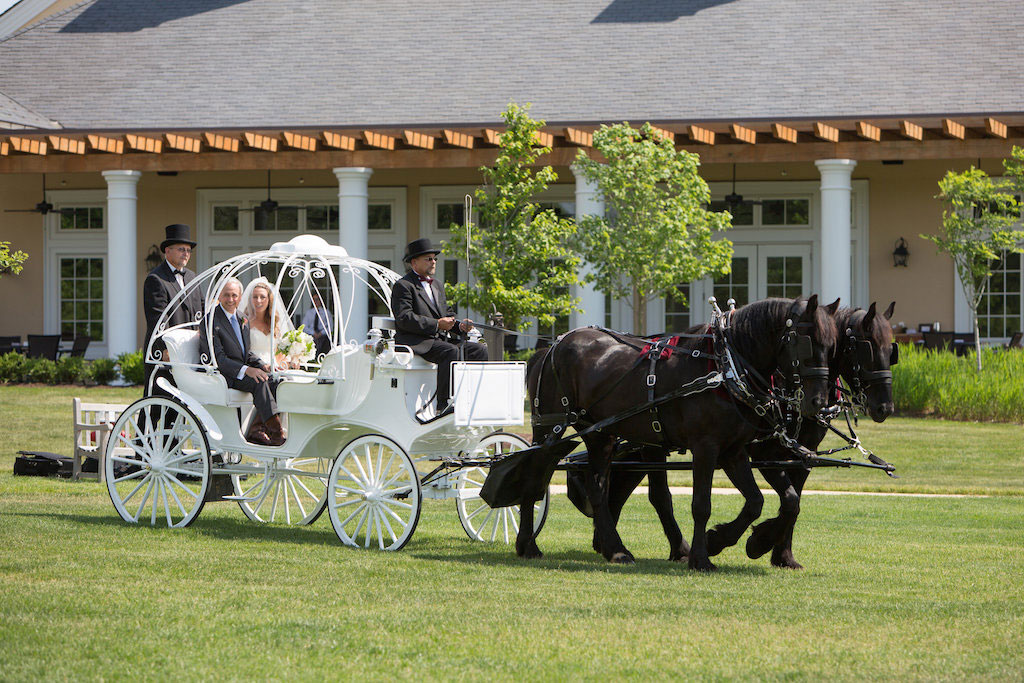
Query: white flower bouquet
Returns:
{"type": "Point", "coordinates": [295, 347]}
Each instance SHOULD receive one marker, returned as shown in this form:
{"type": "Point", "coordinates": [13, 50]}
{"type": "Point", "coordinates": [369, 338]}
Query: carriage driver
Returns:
{"type": "Point", "coordinates": [425, 322]}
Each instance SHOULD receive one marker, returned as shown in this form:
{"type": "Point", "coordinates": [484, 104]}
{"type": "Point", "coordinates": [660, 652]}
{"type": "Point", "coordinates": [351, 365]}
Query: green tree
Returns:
{"type": "Point", "coordinates": [520, 255]}
{"type": "Point", "coordinates": [656, 231]}
{"type": "Point", "coordinates": [977, 226]}
{"type": "Point", "coordinates": [10, 261]}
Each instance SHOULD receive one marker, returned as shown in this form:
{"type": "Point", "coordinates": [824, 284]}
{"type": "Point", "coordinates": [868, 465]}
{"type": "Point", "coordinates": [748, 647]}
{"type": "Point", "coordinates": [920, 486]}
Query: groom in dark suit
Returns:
{"type": "Point", "coordinates": [163, 283]}
{"type": "Point", "coordinates": [242, 369]}
{"type": "Point", "coordinates": [425, 322]}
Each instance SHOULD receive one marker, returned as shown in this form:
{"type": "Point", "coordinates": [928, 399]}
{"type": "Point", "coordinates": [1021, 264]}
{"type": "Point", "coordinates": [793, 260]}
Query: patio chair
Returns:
{"type": "Point", "coordinates": [79, 346]}
{"type": "Point", "coordinates": [1016, 341]}
{"type": "Point", "coordinates": [7, 344]}
{"type": "Point", "coordinates": [43, 346]}
{"type": "Point", "coordinates": [938, 340]}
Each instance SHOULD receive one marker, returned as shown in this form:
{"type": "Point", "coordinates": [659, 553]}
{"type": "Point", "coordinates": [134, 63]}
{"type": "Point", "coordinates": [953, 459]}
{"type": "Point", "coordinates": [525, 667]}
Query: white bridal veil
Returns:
{"type": "Point", "coordinates": [280, 312]}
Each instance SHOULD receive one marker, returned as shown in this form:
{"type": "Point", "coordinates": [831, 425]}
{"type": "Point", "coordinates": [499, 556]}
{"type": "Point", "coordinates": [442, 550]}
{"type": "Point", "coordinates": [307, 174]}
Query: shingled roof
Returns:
{"type": "Point", "coordinates": [119, 64]}
{"type": "Point", "coordinates": [15, 115]}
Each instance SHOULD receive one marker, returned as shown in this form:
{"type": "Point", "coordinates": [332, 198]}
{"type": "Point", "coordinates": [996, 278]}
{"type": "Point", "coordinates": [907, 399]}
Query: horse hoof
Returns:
{"type": "Point", "coordinates": [785, 561]}
{"type": "Point", "coordinates": [622, 558]}
{"type": "Point", "coordinates": [758, 544]}
{"type": "Point", "coordinates": [678, 557]}
{"type": "Point", "coordinates": [531, 552]}
{"type": "Point", "coordinates": [716, 542]}
{"type": "Point", "coordinates": [704, 565]}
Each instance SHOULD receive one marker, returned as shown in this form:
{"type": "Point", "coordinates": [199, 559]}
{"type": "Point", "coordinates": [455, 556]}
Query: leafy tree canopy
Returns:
{"type": "Point", "coordinates": [11, 261]}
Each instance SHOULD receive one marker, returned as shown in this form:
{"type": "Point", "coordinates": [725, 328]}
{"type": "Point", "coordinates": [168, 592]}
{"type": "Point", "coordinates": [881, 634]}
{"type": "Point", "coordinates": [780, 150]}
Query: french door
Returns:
{"type": "Point", "coordinates": [766, 270]}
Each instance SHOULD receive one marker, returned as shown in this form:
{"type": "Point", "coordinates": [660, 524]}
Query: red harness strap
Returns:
{"type": "Point", "coordinates": [665, 352]}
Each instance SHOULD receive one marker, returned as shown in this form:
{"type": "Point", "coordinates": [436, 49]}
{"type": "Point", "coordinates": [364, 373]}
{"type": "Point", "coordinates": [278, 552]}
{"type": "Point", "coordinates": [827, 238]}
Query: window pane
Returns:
{"type": "Point", "coordinates": [316, 218]}
{"type": "Point", "coordinates": [81, 219]}
{"type": "Point", "coordinates": [776, 270]}
{"type": "Point", "coordinates": [798, 212]}
{"type": "Point", "coordinates": [96, 218]}
{"type": "Point", "coordinates": [225, 218]}
{"type": "Point", "coordinates": [67, 310]}
{"type": "Point", "coordinates": [96, 289]}
{"type": "Point", "coordinates": [794, 270]}
{"type": "Point", "coordinates": [742, 214]}
{"type": "Point", "coordinates": [773, 212]}
{"type": "Point", "coordinates": [96, 268]}
{"type": "Point", "coordinates": [67, 221]}
{"type": "Point", "coordinates": [448, 214]}
{"type": "Point", "coordinates": [379, 217]}
{"type": "Point", "coordinates": [288, 218]}
{"type": "Point", "coordinates": [740, 271]}
{"type": "Point", "coordinates": [677, 309]}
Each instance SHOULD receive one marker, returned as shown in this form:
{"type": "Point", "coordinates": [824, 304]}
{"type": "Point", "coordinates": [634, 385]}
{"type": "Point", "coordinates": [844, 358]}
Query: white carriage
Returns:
{"type": "Point", "coordinates": [363, 441]}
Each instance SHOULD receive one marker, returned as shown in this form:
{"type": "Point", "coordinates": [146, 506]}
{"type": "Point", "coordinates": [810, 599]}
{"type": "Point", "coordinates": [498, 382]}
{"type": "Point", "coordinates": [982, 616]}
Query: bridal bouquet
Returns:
{"type": "Point", "coordinates": [295, 347]}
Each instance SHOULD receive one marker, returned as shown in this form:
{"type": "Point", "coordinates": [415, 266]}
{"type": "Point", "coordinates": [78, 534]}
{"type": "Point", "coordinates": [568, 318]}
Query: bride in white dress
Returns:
{"type": "Point", "coordinates": [262, 308]}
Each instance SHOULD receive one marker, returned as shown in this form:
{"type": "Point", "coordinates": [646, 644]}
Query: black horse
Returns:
{"type": "Point", "coordinates": [862, 357]}
{"type": "Point", "coordinates": [594, 374]}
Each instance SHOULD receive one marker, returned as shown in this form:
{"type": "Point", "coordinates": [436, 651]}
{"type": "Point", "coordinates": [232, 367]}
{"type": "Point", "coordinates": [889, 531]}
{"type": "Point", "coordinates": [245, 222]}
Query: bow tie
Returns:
{"type": "Point", "coordinates": [178, 272]}
{"type": "Point", "coordinates": [423, 278]}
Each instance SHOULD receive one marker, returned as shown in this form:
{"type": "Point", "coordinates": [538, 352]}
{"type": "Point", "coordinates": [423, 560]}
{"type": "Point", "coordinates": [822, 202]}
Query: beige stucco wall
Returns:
{"type": "Point", "coordinates": [901, 203]}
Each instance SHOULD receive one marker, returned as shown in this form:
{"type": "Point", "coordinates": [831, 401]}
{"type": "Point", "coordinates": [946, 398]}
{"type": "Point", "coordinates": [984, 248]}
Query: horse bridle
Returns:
{"type": "Point", "coordinates": [860, 354]}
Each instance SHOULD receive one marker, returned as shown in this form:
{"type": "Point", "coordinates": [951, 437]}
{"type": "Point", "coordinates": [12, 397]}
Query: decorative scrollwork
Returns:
{"type": "Point", "coordinates": [204, 358]}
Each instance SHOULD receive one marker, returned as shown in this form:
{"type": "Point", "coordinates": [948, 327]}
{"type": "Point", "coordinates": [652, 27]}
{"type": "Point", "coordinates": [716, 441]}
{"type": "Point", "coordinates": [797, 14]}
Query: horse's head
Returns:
{"type": "Point", "coordinates": [806, 345]}
{"type": "Point", "coordinates": [866, 354]}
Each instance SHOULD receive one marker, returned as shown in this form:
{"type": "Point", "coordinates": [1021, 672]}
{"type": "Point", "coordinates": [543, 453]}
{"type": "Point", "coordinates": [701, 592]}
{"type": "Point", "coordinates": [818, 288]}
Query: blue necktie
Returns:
{"type": "Point", "coordinates": [238, 331]}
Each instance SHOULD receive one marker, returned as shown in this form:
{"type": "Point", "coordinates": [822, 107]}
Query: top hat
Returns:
{"type": "Point", "coordinates": [179, 233]}
{"type": "Point", "coordinates": [418, 248]}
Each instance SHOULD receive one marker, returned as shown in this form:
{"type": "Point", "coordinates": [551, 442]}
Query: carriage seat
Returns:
{"type": "Point", "coordinates": [387, 327]}
{"type": "Point", "coordinates": [211, 388]}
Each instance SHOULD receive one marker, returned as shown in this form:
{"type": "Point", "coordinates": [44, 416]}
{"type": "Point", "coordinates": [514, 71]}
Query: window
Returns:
{"type": "Point", "coordinates": [677, 309]}
{"type": "Point", "coordinates": [81, 218]}
{"type": "Point", "coordinates": [999, 313]}
{"type": "Point", "coordinates": [785, 212]}
{"type": "Point", "coordinates": [81, 297]}
{"type": "Point", "coordinates": [379, 217]}
{"type": "Point", "coordinates": [448, 214]}
{"type": "Point", "coordinates": [322, 217]}
{"type": "Point", "coordinates": [225, 219]}
{"type": "Point", "coordinates": [784, 276]}
{"type": "Point", "coordinates": [742, 214]}
{"type": "Point", "coordinates": [735, 284]}
{"type": "Point", "coordinates": [376, 305]}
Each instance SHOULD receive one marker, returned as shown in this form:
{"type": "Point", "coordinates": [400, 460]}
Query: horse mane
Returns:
{"type": "Point", "coordinates": [881, 333]}
{"type": "Point", "coordinates": [750, 322]}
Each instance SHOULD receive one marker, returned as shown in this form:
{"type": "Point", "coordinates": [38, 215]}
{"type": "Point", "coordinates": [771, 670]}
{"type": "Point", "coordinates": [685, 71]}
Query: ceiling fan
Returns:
{"type": "Point", "coordinates": [266, 208]}
{"type": "Point", "coordinates": [734, 199]}
{"type": "Point", "coordinates": [44, 207]}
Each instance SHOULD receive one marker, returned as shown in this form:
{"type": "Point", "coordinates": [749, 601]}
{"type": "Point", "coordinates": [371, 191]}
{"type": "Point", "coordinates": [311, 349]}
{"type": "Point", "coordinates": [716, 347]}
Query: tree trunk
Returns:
{"type": "Point", "coordinates": [639, 314]}
{"type": "Point", "coordinates": [977, 341]}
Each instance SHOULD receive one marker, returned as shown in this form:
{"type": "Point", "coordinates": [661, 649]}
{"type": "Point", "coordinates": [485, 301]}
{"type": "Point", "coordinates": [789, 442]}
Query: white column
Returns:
{"type": "Point", "coordinates": [122, 262]}
{"type": "Point", "coordinates": [353, 212]}
{"type": "Point", "coordinates": [835, 229]}
{"type": "Point", "coordinates": [588, 203]}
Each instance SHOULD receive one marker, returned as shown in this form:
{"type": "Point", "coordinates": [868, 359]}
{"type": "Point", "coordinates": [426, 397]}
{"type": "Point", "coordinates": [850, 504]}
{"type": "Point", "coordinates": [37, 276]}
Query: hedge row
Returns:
{"type": "Point", "coordinates": [16, 368]}
{"type": "Point", "coordinates": [942, 384]}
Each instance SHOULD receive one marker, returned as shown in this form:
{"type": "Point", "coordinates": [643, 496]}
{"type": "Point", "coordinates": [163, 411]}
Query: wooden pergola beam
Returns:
{"type": "Point", "coordinates": [265, 143]}
{"type": "Point", "coordinates": [911, 131]}
{"type": "Point", "coordinates": [544, 139]}
{"type": "Point", "coordinates": [457, 139]}
{"type": "Point", "coordinates": [580, 138]}
{"type": "Point", "coordinates": [102, 143]}
{"type": "Point", "coordinates": [784, 133]}
{"type": "Point", "coordinates": [141, 143]}
{"type": "Point", "coordinates": [28, 145]}
{"type": "Point", "coordinates": [666, 134]}
{"type": "Point", "coordinates": [414, 138]}
{"type": "Point", "coordinates": [221, 142]}
{"type": "Point", "coordinates": [59, 143]}
{"type": "Point", "coordinates": [306, 143]}
{"type": "Point", "coordinates": [492, 137]}
{"type": "Point", "coordinates": [743, 134]}
{"type": "Point", "coordinates": [5, 148]}
{"type": "Point", "coordinates": [996, 129]}
{"type": "Point", "coordinates": [339, 141]}
{"type": "Point", "coordinates": [702, 135]}
{"type": "Point", "coordinates": [953, 129]}
{"type": "Point", "coordinates": [183, 143]}
{"type": "Point", "coordinates": [379, 140]}
{"type": "Point", "coordinates": [869, 131]}
{"type": "Point", "coordinates": [823, 131]}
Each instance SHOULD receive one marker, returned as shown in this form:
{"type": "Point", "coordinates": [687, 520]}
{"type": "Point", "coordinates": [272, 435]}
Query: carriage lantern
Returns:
{"type": "Point", "coordinates": [900, 254]}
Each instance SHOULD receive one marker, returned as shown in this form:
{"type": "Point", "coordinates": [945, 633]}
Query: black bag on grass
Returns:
{"type": "Point", "coordinates": [41, 464]}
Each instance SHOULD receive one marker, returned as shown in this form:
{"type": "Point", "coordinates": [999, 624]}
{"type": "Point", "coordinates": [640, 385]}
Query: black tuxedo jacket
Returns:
{"type": "Point", "coordinates": [416, 315]}
{"type": "Point", "coordinates": [158, 290]}
{"type": "Point", "coordinates": [230, 357]}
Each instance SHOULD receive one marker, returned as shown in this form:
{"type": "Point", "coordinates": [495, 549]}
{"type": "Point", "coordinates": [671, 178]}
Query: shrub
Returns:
{"type": "Point", "coordinates": [70, 370]}
{"type": "Point", "coordinates": [132, 368]}
{"type": "Point", "coordinates": [12, 368]}
{"type": "Point", "coordinates": [101, 371]}
{"type": "Point", "coordinates": [945, 385]}
{"type": "Point", "coordinates": [521, 354]}
{"type": "Point", "coordinates": [42, 370]}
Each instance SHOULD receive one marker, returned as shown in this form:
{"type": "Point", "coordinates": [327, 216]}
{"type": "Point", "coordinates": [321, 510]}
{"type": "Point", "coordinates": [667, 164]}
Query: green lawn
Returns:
{"type": "Point", "coordinates": [895, 587]}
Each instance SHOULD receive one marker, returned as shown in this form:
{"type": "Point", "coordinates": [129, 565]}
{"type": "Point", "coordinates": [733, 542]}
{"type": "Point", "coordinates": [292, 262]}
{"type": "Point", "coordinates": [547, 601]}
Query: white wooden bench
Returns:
{"type": "Point", "coordinates": [93, 422]}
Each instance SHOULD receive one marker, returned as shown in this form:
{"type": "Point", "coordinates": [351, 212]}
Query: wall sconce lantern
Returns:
{"type": "Point", "coordinates": [900, 254]}
{"type": "Point", "coordinates": [154, 258]}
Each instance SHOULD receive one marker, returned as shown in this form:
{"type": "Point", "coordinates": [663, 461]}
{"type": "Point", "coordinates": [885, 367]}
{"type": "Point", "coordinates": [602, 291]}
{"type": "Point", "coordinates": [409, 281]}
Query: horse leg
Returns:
{"type": "Point", "coordinates": [526, 540]}
{"type": "Point", "coordinates": [770, 532]}
{"type": "Point", "coordinates": [704, 459]}
{"type": "Point", "coordinates": [600, 451]}
{"type": "Point", "coordinates": [737, 468]}
{"type": "Point", "coordinates": [782, 553]}
{"type": "Point", "coordinates": [661, 500]}
{"type": "Point", "coordinates": [620, 487]}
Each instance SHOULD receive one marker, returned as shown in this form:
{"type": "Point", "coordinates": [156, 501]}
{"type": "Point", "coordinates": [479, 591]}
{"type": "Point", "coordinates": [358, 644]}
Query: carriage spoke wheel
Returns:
{"type": "Point", "coordinates": [294, 492]}
{"type": "Point", "coordinates": [157, 463]}
{"type": "Point", "coordinates": [373, 494]}
{"type": "Point", "coordinates": [480, 521]}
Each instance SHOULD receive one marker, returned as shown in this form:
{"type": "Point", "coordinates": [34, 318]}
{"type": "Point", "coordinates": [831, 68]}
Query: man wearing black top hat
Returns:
{"type": "Point", "coordinates": [425, 322]}
{"type": "Point", "coordinates": [164, 282]}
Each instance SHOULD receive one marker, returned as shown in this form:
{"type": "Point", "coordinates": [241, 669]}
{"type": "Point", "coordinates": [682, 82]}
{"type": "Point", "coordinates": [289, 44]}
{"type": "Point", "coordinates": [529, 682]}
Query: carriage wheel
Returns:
{"type": "Point", "coordinates": [480, 521]}
{"type": "Point", "coordinates": [158, 463]}
{"type": "Point", "coordinates": [373, 494]}
{"type": "Point", "coordinates": [295, 491]}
